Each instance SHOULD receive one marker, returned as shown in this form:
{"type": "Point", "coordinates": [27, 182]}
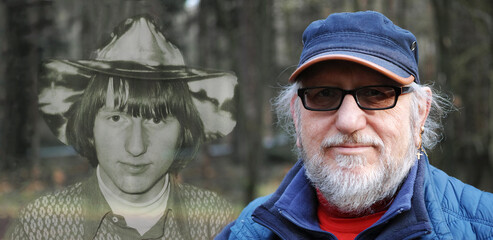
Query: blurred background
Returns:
{"type": "Point", "coordinates": [260, 40]}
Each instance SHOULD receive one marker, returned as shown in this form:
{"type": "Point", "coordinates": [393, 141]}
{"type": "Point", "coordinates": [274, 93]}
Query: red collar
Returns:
{"type": "Point", "coordinates": [347, 225]}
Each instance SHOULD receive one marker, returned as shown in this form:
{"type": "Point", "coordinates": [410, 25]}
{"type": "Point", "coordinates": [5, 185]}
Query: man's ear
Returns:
{"type": "Point", "coordinates": [294, 116]}
{"type": "Point", "coordinates": [423, 111]}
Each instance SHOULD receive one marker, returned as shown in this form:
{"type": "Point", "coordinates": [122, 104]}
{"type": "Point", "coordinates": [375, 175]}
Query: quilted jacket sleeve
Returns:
{"type": "Point", "coordinates": [458, 209]}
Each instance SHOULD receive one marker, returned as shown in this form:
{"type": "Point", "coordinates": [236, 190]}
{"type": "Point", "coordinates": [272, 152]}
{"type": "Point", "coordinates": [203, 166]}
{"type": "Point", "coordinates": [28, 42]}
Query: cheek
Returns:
{"type": "Point", "coordinates": [395, 131]}
{"type": "Point", "coordinates": [314, 129]}
{"type": "Point", "coordinates": [107, 141]}
{"type": "Point", "coordinates": [165, 139]}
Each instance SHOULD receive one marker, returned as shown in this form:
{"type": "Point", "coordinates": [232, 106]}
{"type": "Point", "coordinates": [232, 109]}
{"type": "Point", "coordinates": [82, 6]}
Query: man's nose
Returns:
{"type": "Point", "coordinates": [136, 143]}
{"type": "Point", "coordinates": [349, 117]}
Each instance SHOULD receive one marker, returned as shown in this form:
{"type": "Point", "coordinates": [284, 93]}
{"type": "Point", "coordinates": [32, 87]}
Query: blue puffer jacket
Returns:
{"type": "Point", "coordinates": [429, 205]}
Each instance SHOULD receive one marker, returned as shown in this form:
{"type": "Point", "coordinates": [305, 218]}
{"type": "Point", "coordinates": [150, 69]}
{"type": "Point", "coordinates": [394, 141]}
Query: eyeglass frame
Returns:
{"type": "Point", "coordinates": [398, 91]}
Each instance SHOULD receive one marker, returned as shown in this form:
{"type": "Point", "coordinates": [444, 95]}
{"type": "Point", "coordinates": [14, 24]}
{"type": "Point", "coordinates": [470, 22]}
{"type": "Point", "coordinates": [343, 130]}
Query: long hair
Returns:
{"type": "Point", "coordinates": [139, 98]}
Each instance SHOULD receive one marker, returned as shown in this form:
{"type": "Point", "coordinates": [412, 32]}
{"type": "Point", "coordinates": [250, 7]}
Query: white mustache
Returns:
{"type": "Point", "coordinates": [355, 138]}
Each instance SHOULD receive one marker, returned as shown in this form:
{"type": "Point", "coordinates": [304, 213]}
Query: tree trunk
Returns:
{"type": "Point", "coordinates": [255, 60]}
{"type": "Point", "coordinates": [19, 143]}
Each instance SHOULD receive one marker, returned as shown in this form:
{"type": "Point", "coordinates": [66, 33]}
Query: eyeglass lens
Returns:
{"type": "Point", "coordinates": [371, 97]}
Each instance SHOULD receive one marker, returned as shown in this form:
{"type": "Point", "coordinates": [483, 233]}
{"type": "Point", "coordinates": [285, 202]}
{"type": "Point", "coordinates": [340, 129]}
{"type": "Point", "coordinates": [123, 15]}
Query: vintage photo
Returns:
{"type": "Point", "coordinates": [139, 115]}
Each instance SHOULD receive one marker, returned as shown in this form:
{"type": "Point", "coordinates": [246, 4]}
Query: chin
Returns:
{"type": "Point", "coordinates": [355, 171]}
{"type": "Point", "coordinates": [135, 187]}
{"type": "Point", "coordinates": [134, 190]}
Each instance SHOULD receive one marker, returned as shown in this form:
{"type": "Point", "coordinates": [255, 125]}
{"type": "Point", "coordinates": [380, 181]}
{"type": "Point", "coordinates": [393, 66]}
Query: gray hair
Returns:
{"type": "Point", "coordinates": [432, 135]}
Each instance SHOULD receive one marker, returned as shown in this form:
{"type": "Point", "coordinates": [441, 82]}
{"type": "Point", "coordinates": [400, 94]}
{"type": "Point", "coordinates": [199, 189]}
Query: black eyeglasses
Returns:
{"type": "Point", "coordinates": [367, 97]}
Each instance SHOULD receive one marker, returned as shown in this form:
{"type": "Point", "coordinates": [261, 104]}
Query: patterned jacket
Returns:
{"type": "Point", "coordinates": [81, 212]}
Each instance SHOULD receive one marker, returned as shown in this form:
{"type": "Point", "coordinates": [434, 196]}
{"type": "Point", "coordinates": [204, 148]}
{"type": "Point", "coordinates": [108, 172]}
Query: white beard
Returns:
{"type": "Point", "coordinates": [348, 185]}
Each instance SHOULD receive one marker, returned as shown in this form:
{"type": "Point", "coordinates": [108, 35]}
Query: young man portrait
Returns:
{"type": "Point", "coordinates": [139, 115]}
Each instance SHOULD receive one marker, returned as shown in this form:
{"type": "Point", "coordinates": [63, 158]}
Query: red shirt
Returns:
{"type": "Point", "coordinates": [343, 227]}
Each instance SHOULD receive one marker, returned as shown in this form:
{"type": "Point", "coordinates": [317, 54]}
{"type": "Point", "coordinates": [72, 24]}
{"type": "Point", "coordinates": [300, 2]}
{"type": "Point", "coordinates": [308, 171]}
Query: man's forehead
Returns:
{"type": "Point", "coordinates": [107, 108]}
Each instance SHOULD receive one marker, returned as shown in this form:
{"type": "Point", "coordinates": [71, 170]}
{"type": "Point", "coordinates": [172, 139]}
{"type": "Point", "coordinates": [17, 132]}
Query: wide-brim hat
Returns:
{"type": "Point", "coordinates": [137, 50]}
{"type": "Point", "coordinates": [367, 38]}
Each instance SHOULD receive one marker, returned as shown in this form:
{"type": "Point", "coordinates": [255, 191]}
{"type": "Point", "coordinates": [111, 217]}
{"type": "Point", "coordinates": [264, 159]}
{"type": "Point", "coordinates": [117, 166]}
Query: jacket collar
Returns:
{"type": "Point", "coordinates": [407, 216]}
{"type": "Point", "coordinates": [295, 201]}
{"type": "Point", "coordinates": [96, 208]}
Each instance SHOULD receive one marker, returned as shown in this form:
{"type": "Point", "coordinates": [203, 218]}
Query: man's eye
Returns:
{"type": "Point", "coordinates": [373, 93]}
{"type": "Point", "coordinates": [154, 121]}
{"type": "Point", "coordinates": [377, 92]}
{"type": "Point", "coordinates": [326, 93]}
{"type": "Point", "coordinates": [115, 118]}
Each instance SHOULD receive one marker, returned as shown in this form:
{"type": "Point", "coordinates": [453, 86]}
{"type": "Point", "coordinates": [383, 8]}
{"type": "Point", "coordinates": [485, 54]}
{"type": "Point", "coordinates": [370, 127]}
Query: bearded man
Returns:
{"type": "Point", "coordinates": [362, 119]}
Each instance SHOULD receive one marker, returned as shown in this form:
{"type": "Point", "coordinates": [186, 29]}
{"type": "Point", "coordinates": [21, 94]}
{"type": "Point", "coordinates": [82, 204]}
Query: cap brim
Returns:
{"type": "Point", "coordinates": [382, 66]}
{"type": "Point", "coordinates": [128, 69]}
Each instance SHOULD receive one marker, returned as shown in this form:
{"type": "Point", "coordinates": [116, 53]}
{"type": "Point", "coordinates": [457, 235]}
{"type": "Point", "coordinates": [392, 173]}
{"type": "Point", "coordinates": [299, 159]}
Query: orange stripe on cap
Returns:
{"type": "Point", "coordinates": [376, 67]}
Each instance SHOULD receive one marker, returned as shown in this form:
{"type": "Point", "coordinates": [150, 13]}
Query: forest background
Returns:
{"type": "Point", "coordinates": [259, 40]}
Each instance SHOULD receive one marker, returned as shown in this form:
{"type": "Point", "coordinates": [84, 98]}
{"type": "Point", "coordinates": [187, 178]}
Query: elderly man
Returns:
{"type": "Point", "coordinates": [361, 119]}
{"type": "Point", "coordinates": [138, 114]}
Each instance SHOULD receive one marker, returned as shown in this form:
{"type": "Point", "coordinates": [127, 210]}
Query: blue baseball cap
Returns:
{"type": "Point", "coordinates": [367, 38]}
